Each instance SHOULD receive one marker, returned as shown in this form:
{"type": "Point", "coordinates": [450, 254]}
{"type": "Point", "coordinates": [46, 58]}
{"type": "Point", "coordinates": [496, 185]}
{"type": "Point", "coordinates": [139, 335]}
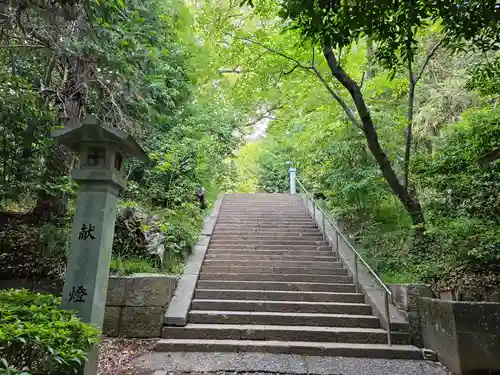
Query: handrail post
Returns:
{"type": "Point", "coordinates": [323, 224]}
{"type": "Point", "coordinates": [337, 241]}
{"type": "Point", "coordinates": [388, 318]}
{"type": "Point", "coordinates": [314, 211]}
{"type": "Point", "coordinates": [293, 173]}
{"type": "Point", "coordinates": [356, 274]}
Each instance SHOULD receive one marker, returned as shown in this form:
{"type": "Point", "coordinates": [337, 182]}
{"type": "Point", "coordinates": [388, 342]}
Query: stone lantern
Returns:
{"type": "Point", "coordinates": [101, 150]}
{"type": "Point", "coordinates": [100, 178]}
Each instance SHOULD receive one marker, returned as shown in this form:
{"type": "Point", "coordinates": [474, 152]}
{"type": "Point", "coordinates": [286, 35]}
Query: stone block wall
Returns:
{"type": "Point", "coordinates": [135, 304]}
{"type": "Point", "coordinates": [465, 335]}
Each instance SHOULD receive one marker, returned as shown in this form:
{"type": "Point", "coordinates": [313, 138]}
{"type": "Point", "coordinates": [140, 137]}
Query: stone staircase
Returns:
{"type": "Point", "coordinates": [270, 283]}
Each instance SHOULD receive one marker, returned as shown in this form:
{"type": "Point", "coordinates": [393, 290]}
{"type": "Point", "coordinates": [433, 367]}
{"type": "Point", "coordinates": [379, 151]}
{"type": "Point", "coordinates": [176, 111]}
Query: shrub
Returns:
{"type": "Point", "coordinates": [31, 252]}
{"type": "Point", "coordinates": [38, 337]}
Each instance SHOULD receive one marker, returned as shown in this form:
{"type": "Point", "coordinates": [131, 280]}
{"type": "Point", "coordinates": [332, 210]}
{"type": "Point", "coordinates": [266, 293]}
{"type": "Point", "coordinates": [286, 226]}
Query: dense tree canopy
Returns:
{"type": "Point", "coordinates": [388, 109]}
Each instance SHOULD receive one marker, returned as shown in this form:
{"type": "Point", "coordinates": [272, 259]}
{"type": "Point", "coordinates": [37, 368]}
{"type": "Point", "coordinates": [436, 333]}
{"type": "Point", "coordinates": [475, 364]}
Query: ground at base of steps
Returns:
{"type": "Point", "coordinates": [136, 357]}
{"type": "Point", "coordinates": [280, 364]}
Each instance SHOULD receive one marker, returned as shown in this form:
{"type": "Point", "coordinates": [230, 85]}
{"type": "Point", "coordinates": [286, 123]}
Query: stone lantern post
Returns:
{"type": "Point", "coordinates": [102, 151]}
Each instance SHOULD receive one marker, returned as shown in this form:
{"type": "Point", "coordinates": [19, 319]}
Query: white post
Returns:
{"type": "Point", "coordinates": [293, 172]}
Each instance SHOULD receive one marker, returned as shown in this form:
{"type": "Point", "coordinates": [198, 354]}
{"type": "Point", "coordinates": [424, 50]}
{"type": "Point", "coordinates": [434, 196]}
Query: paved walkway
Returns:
{"type": "Point", "coordinates": [262, 363]}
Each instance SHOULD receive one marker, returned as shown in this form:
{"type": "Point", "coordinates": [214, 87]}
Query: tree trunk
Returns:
{"type": "Point", "coordinates": [409, 128]}
{"type": "Point", "coordinates": [410, 202]}
{"type": "Point", "coordinates": [58, 163]}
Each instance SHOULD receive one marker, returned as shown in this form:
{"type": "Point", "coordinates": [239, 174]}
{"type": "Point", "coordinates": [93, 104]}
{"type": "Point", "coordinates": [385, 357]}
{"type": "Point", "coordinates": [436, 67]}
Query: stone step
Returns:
{"type": "Point", "coordinates": [277, 295]}
{"type": "Point", "coordinates": [277, 285]}
{"type": "Point", "coordinates": [254, 252]}
{"type": "Point", "coordinates": [264, 219]}
{"type": "Point", "coordinates": [274, 215]}
{"type": "Point", "coordinates": [263, 225]}
{"type": "Point", "coordinates": [269, 236]}
{"type": "Point", "coordinates": [282, 306]}
{"type": "Point", "coordinates": [274, 270]}
{"type": "Point", "coordinates": [289, 242]}
{"type": "Point", "coordinates": [330, 349]}
{"type": "Point", "coordinates": [251, 221]}
{"type": "Point", "coordinates": [282, 333]}
{"type": "Point", "coordinates": [281, 318]}
{"type": "Point", "coordinates": [337, 279]}
{"type": "Point", "coordinates": [272, 263]}
{"type": "Point", "coordinates": [254, 203]}
{"type": "Point", "coordinates": [257, 257]}
{"type": "Point", "coordinates": [246, 231]}
{"type": "Point", "coordinates": [268, 247]}
{"type": "Point", "coordinates": [263, 211]}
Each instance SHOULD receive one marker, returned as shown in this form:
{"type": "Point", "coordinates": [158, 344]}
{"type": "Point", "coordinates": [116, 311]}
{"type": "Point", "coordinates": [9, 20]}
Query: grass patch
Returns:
{"type": "Point", "coordinates": [126, 267]}
{"type": "Point", "coordinates": [401, 277]}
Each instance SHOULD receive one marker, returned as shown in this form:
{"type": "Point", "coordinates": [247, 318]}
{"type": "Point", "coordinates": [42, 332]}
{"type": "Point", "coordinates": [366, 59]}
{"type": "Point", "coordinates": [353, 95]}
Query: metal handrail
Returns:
{"type": "Point", "coordinates": [357, 256]}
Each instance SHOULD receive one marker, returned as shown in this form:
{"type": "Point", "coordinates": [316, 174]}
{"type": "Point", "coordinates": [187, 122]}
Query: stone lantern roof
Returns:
{"type": "Point", "coordinates": [91, 131]}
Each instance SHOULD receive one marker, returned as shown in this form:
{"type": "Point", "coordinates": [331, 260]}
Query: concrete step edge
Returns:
{"type": "Point", "coordinates": [284, 314]}
{"type": "Point", "coordinates": [275, 270]}
{"type": "Point", "coordinates": [276, 318]}
{"type": "Point", "coordinates": [248, 301]}
{"type": "Point", "coordinates": [281, 282]}
{"type": "Point", "coordinates": [264, 327]}
{"type": "Point", "coordinates": [289, 333]}
{"type": "Point", "coordinates": [266, 277]}
{"type": "Point", "coordinates": [291, 292]}
{"type": "Point", "coordinates": [292, 347]}
{"type": "Point", "coordinates": [277, 262]}
{"type": "Point", "coordinates": [283, 306]}
{"type": "Point", "coordinates": [234, 256]}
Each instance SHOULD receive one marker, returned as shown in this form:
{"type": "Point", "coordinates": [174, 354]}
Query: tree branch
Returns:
{"type": "Point", "coordinates": [428, 58]}
{"type": "Point", "coordinates": [338, 98]}
{"type": "Point", "coordinates": [362, 80]}
{"type": "Point", "coordinates": [266, 114]}
{"type": "Point", "coordinates": [411, 204]}
{"type": "Point", "coordinates": [270, 49]}
{"type": "Point", "coordinates": [411, 108]}
{"type": "Point", "coordinates": [22, 46]}
{"type": "Point", "coordinates": [313, 67]}
{"type": "Point", "coordinates": [291, 70]}
{"type": "Point", "coordinates": [228, 70]}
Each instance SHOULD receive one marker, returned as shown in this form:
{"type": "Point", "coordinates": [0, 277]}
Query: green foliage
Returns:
{"type": "Point", "coordinates": [273, 171]}
{"type": "Point", "coordinates": [484, 76]}
{"type": "Point", "coordinates": [33, 252]}
{"type": "Point", "coordinates": [124, 267]}
{"type": "Point", "coordinates": [136, 66]}
{"type": "Point", "coordinates": [462, 191]}
{"type": "Point", "coordinates": [40, 338]}
{"type": "Point", "coordinates": [394, 26]}
{"type": "Point", "coordinates": [24, 125]}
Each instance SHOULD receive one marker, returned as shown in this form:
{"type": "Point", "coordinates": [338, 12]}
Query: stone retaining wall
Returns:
{"type": "Point", "coordinates": [135, 304]}
{"type": "Point", "coordinates": [404, 297]}
{"type": "Point", "coordinates": [465, 335]}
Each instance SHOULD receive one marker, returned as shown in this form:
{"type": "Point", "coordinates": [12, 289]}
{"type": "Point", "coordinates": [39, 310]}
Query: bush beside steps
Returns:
{"type": "Point", "coordinates": [37, 337]}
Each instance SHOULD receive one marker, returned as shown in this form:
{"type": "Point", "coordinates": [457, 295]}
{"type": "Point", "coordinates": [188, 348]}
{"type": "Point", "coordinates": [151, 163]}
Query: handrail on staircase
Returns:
{"type": "Point", "coordinates": [357, 256]}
